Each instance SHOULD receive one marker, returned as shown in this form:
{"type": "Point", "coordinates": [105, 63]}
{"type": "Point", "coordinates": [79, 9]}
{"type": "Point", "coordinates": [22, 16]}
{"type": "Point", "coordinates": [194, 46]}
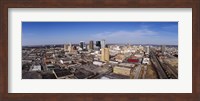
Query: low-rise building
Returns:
{"type": "Point", "coordinates": [98, 63]}
{"type": "Point", "coordinates": [127, 64]}
{"type": "Point", "coordinates": [123, 70]}
{"type": "Point", "coordinates": [145, 61]}
{"type": "Point", "coordinates": [113, 62]}
{"type": "Point", "coordinates": [115, 76]}
{"type": "Point", "coordinates": [36, 68]}
{"type": "Point", "coordinates": [119, 58]}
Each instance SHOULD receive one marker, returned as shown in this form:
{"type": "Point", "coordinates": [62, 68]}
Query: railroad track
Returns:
{"type": "Point", "coordinates": [172, 72]}
{"type": "Point", "coordinates": [160, 71]}
{"type": "Point", "coordinates": [164, 70]}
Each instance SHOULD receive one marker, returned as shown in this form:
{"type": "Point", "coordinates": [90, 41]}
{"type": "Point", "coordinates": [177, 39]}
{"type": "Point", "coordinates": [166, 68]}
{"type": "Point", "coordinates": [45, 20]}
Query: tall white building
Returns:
{"type": "Point", "coordinates": [163, 49]}
{"type": "Point", "coordinates": [102, 43]}
{"type": "Point", "coordinates": [147, 50]}
{"type": "Point", "coordinates": [70, 47]}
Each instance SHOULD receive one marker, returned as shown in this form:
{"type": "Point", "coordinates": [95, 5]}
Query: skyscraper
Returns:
{"type": "Point", "coordinates": [70, 47]}
{"type": "Point", "coordinates": [65, 47]}
{"type": "Point", "coordinates": [82, 45]}
{"type": "Point", "coordinates": [102, 43]}
{"type": "Point", "coordinates": [91, 45]}
{"type": "Point", "coordinates": [163, 49]}
{"type": "Point", "coordinates": [147, 50]}
{"type": "Point", "coordinates": [98, 44]}
{"type": "Point", "coordinates": [105, 54]}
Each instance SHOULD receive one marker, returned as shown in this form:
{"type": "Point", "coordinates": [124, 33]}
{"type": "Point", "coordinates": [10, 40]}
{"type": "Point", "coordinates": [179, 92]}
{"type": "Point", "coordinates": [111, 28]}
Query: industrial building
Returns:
{"type": "Point", "coordinates": [123, 70]}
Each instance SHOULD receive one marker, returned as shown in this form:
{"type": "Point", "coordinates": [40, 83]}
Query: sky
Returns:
{"type": "Point", "coordinates": [44, 33]}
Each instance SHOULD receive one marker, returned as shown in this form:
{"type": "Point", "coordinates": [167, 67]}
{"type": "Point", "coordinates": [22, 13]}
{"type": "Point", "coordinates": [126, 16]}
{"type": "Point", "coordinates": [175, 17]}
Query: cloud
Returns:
{"type": "Point", "coordinates": [140, 36]}
{"type": "Point", "coordinates": [126, 36]}
{"type": "Point", "coordinates": [137, 33]}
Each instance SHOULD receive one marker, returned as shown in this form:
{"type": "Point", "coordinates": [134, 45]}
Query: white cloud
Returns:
{"type": "Point", "coordinates": [125, 36]}
{"type": "Point", "coordinates": [119, 34]}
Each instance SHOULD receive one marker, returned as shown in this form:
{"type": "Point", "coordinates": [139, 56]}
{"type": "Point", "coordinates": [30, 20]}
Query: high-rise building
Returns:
{"type": "Point", "coordinates": [82, 45]}
{"type": "Point", "coordinates": [147, 50]}
{"type": "Point", "coordinates": [103, 44]}
{"type": "Point", "coordinates": [70, 48]}
{"type": "Point", "coordinates": [91, 45]}
{"type": "Point", "coordinates": [105, 54]}
{"type": "Point", "coordinates": [163, 49]}
{"type": "Point", "coordinates": [65, 47]}
{"type": "Point", "coordinates": [98, 44]}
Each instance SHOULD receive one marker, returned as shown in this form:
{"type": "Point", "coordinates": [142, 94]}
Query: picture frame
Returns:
{"type": "Point", "coordinates": [4, 49]}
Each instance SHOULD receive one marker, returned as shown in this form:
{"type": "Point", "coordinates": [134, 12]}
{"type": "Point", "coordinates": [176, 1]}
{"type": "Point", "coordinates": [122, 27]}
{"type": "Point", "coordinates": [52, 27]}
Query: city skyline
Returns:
{"type": "Point", "coordinates": [44, 33]}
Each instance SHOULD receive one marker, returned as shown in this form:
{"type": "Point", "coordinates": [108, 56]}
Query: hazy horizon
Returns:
{"type": "Point", "coordinates": [95, 43]}
{"type": "Point", "coordinates": [50, 33]}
